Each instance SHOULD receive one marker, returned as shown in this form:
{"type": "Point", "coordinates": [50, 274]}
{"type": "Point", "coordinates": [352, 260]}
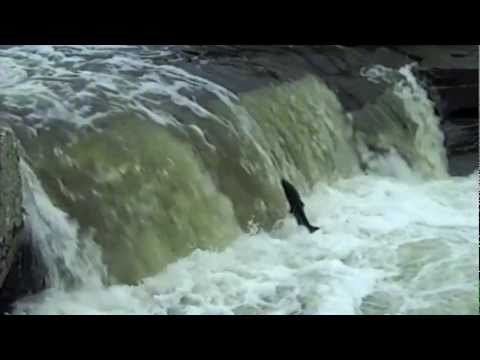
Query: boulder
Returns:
{"type": "Point", "coordinates": [22, 271]}
{"type": "Point", "coordinates": [11, 218]}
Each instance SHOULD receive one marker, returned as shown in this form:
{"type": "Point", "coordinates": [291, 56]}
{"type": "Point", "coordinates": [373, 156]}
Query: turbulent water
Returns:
{"type": "Point", "coordinates": [150, 189]}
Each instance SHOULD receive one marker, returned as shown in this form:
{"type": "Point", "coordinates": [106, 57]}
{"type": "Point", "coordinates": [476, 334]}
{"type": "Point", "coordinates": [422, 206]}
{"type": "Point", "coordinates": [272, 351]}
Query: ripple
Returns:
{"type": "Point", "coordinates": [10, 73]}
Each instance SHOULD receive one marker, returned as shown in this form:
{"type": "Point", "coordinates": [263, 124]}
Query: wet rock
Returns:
{"type": "Point", "coordinates": [451, 78]}
{"type": "Point", "coordinates": [27, 274]}
{"type": "Point", "coordinates": [449, 73]}
{"type": "Point", "coordinates": [22, 271]}
{"type": "Point", "coordinates": [11, 218]}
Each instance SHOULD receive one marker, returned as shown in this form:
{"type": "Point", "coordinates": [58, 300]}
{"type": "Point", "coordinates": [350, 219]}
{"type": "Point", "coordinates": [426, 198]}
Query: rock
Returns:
{"type": "Point", "coordinates": [441, 56]}
{"type": "Point", "coordinates": [451, 78]}
{"type": "Point", "coordinates": [11, 218]}
{"type": "Point", "coordinates": [27, 274]}
{"type": "Point", "coordinates": [22, 271]}
{"type": "Point", "coordinates": [450, 75]}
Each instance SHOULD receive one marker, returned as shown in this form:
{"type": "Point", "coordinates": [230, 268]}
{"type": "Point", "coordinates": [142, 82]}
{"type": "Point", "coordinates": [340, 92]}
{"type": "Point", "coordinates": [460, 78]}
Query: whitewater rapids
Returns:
{"type": "Point", "coordinates": [386, 246]}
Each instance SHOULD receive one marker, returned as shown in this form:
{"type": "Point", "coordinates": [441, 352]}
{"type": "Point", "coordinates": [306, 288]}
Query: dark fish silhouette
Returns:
{"type": "Point", "coordinates": [296, 206]}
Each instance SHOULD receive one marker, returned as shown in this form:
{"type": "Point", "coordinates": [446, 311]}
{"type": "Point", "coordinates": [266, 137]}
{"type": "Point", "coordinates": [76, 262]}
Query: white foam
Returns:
{"type": "Point", "coordinates": [69, 258]}
{"type": "Point", "coordinates": [10, 74]}
{"type": "Point", "coordinates": [430, 158]}
{"type": "Point", "coordinates": [416, 241]}
{"type": "Point", "coordinates": [60, 76]}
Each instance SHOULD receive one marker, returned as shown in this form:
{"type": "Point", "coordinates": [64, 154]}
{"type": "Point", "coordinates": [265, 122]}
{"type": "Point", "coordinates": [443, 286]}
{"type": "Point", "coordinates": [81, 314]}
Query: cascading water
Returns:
{"type": "Point", "coordinates": [152, 190]}
{"type": "Point", "coordinates": [74, 261]}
